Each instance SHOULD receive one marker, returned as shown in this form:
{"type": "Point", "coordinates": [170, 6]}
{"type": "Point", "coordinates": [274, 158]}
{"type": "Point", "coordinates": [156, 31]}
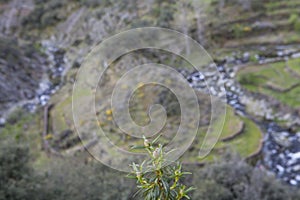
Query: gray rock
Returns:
{"type": "Point", "coordinates": [296, 55]}
{"type": "Point", "coordinates": [2, 121]}
{"type": "Point", "coordinates": [281, 138]}
{"type": "Point", "coordinates": [296, 168]}
{"type": "Point", "coordinates": [295, 156]}
{"type": "Point", "coordinates": [280, 169]}
{"type": "Point", "coordinates": [263, 25]}
{"type": "Point", "coordinates": [293, 182]}
{"type": "Point", "coordinates": [246, 56]}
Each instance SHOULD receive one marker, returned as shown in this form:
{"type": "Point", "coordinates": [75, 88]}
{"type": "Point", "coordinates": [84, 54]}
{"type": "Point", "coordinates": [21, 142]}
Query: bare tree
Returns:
{"type": "Point", "coordinates": [184, 24]}
{"type": "Point", "coordinates": [199, 22]}
{"type": "Point", "coordinates": [246, 4]}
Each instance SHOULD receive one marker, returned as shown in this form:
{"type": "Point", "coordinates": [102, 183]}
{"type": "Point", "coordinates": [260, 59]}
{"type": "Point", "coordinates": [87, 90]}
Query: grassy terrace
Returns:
{"type": "Point", "coordinates": [239, 134]}
{"type": "Point", "coordinates": [280, 80]}
{"type": "Point", "coordinates": [282, 4]}
{"type": "Point", "coordinates": [294, 64]}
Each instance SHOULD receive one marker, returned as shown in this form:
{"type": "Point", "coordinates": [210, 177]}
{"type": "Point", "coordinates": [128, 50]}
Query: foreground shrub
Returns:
{"type": "Point", "coordinates": [156, 181]}
{"type": "Point", "coordinates": [232, 178]}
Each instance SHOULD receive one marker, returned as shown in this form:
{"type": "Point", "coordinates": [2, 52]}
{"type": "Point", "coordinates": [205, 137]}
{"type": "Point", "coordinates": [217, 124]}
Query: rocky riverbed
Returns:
{"type": "Point", "coordinates": [54, 77]}
{"type": "Point", "coordinates": [42, 77]}
{"type": "Point", "coordinates": [281, 149]}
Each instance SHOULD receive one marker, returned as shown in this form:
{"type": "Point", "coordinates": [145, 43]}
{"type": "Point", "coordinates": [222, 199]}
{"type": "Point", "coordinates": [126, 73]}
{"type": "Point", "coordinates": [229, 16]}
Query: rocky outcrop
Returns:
{"type": "Point", "coordinates": [12, 13]}
{"type": "Point", "coordinates": [21, 70]}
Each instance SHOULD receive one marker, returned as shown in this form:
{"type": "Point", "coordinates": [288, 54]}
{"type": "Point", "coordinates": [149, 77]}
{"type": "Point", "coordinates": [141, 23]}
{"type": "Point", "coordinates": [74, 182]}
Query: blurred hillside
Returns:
{"type": "Point", "coordinates": [254, 43]}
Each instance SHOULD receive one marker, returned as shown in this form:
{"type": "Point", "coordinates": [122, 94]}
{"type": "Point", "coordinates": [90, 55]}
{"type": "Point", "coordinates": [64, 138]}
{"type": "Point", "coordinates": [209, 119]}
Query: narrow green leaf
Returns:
{"type": "Point", "coordinates": [155, 140]}
{"type": "Point", "coordinates": [137, 147]}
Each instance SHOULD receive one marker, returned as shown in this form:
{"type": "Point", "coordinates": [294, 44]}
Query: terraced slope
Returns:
{"type": "Point", "coordinates": [76, 26]}
{"type": "Point", "coordinates": [264, 22]}
{"type": "Point", "coordinates": [239, 134]}
{"type": "Point", "coordinates": [281, 80]}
